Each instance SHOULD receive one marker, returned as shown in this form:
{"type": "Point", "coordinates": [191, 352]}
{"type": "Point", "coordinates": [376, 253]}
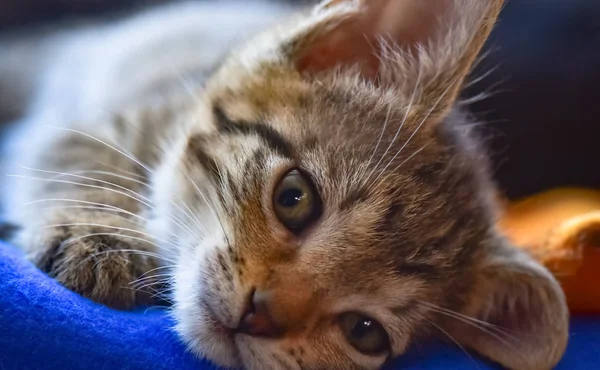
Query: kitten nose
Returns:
{"type": "Point", "coordinates": [256, 319]}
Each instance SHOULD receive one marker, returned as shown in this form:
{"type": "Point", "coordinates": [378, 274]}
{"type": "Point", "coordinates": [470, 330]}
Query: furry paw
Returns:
{"type": "Point", "coordinates": [99, 262]}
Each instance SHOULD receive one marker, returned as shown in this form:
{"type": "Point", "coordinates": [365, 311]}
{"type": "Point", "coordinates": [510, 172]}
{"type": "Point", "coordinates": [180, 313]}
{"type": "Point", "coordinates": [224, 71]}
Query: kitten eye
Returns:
{"type": "Point", "coordinates": [364, 334]}
{"type": "Point", "coordinates": [295, 201]}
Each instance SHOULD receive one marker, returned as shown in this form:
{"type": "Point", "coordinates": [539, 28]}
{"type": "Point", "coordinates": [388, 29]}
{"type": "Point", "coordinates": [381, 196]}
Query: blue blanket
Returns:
{"type": "Point", "coordinates": [44, 326]}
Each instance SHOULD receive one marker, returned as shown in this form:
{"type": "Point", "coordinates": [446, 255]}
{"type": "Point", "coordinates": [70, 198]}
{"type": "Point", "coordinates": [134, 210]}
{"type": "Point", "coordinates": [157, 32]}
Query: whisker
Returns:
{"type": "Point", "coordinates": [147, 253]}
{"type": "Point", "coordinates": [104, 209]}
{"type": "Point", "coordinates": [65, 174]}
{"type": "Point", "coordinates": [156, 269]}
{"type": "Point", "coordinates": [122, 171]}
{"type": "Point", "coordinates": [100, 205]}
{"type": "Point", "coordinates": [485, 330]}
{"type": "Point", "coordinates": [150, 277]}
{"type": "Point", "coordinates": [89, 224]}
{"type": "Point", "coordinates": [83, 185]}
{"type": "Point", "coordinates": [453, 340]}
{"type": "Point", "coordinates": [387, 117]}
{"type": "Point", "coordinates": [401, 164]}
{"type": "Point", "coordinates": [161, 282]}
{"type": "Point", "coordinates": [129, 251]}
{"type": "Point", "coordinates": [406, 114]}
{"type": "Point", "coordinates": [480, 322]}
{"type": "Point", "coordinates": [129, 156]}
{"type": "Point", "coordinates": [177, 221]}
{"type": "Point", "coordinates": [162, 295]}
{"type": "Point", "coordinates": [113, 174]}
{"type": "Point", "coordinates": [189, 214]}
{"type": "Point", "coordinates": [206, 201]}
{"type": "Point", "coordinates": [435, 105]}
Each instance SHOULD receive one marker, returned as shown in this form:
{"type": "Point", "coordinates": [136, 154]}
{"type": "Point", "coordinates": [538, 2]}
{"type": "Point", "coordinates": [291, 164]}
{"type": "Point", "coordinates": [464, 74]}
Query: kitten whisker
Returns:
{"type": "Point", "coordinates": [90, 224]}
{"type": "Point", "coordinates": [433, 108]}
{"type": "Point", "coordinates": [474, 320]}
{"type": "Point", "coordinates": [210, 207]}
{"type": "Point", "coordinates": [83, 185]}
{"type": "Point", "coordinates": [189, 214]}
{"type": "Point", "coordinates": [97, 254]}
{"type": "Point", "coordinates": [452, 339]}
{"type": "Point", "coordinates": [160, 281]}
{"type": "Point", "coordinates": [399, 166]}
{"type": "Point", "coordinates": [149, 277]}
{"type": "Point", "coordinates": [150, 254]}
{"type": "Point", "coordinates": [157, 268]}
{"type": "Point", "coordinates": [93, 206]}
{"type": "Point", "coordinates": [177, 221]}
{"type": "Point", "coordinates": [122, 171]}
{"type": "Point", "coordinates": [126, 155]}
{"type": "Point", "coordinates": [154, 285]}
{"type": "Point", "coordinates": [162, 295]}
{"type": "Point", "coordinates": [67, 174]}
{"type": "Point", "coordinates": [486, 330]}
{"type": "Point", "coordinates": [387, 117]}
{"type": "Point", "coordinates": [107, 173]}
{"type": "Point", "coordinates": [140, 222]}
{"type": "Point", "coordinates": [406, 114]}
{"type": "Point", "coordinates": [149, 289]}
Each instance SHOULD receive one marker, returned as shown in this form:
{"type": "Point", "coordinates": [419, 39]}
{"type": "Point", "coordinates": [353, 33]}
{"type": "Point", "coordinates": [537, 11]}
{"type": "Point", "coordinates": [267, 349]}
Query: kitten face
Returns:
{"type": "Point", "coordinates": [337, 212]}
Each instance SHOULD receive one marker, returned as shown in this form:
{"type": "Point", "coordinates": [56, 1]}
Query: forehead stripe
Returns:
{"type": "Point", "coordinates": [267, 133]}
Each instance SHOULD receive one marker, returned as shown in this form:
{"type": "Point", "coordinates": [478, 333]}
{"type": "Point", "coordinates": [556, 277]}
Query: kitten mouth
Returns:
{"type": "Point", "coordinates": [217, 325]}
{"type": "Point", "coordinates": [225, 335]}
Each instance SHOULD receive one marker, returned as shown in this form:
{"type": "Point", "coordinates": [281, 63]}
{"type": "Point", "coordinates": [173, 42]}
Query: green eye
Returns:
{"type": "Point", "coordinates": [364, 334]}
{"type": "Point", "coordinates": [295, 201]}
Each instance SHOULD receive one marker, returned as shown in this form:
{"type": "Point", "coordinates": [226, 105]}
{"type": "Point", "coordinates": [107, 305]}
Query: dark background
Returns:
{"type": "Point", "coordinates": [542, 120]}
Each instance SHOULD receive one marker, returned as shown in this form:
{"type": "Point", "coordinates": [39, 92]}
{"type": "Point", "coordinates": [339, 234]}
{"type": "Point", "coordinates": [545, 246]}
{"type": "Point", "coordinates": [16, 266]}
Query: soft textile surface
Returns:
{"type": "Point", "coordinates": [44, 326]}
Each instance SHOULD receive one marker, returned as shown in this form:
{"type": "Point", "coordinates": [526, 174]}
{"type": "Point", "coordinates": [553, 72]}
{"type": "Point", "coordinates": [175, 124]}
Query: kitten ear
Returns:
{"type": "Point", "coordinates": [429, 43]}
{"type": "Point", "coordinates": [523, 310]}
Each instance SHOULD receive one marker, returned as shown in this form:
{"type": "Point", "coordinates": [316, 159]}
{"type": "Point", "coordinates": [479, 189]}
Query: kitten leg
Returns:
{"type": "Point", "coordinates": [83, 226]}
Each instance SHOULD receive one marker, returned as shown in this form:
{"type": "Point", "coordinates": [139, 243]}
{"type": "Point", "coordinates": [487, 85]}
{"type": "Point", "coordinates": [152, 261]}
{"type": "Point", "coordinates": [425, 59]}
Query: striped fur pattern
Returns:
{"type": "Point", "coordinates": [177, 196]}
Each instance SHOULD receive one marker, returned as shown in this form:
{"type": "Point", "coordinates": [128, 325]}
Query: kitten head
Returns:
{"type": "Point", "coordinates": [331, 208]}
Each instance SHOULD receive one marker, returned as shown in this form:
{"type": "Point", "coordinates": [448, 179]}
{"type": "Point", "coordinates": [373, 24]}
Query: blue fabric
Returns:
{"type": "Point", "coordinates": [44, 326]}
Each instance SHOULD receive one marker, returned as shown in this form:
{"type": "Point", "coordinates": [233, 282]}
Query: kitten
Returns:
{"type": "Point", "coordinates": [320, 204]}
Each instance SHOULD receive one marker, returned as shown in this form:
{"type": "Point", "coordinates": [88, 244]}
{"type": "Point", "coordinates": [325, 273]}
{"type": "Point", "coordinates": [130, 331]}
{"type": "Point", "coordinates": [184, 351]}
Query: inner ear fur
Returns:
{"type": "Point", "coordinates": [521, 309]}
{"type": "Point", "coordinates": [422, 46]}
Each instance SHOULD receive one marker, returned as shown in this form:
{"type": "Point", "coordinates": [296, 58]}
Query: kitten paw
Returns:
{"type": "Point", "coordinates": [97, 262]}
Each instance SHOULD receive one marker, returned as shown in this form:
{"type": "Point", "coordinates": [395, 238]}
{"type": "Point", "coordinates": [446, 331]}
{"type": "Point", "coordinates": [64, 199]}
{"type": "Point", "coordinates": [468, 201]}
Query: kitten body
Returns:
{"type": "Point", "coordinates": [145, 177]}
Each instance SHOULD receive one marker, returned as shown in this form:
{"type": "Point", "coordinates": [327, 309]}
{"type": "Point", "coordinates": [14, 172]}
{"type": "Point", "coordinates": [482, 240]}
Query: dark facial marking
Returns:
{"type": "Point", "coordinates": [429, 173]}
{"type": "Point", "coordinates": [271, 137]}
{"type": "Point", "coordinates": [256, 162]}
{"type": "Point", "coordinates": [196, 147]}
{"type": "Point", "coordinates": [423, 270]}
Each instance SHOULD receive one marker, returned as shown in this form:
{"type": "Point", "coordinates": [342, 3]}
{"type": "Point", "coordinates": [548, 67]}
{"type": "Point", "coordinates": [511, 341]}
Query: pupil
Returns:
{"type": "Point", "coordinates": [361, 328]}
{"type": "Point", "coordinates": [290, 198]}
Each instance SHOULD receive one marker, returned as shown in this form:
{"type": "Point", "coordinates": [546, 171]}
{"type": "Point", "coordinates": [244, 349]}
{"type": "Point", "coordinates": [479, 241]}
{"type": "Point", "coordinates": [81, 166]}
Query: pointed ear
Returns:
{"type": "Point", "coordinates": [428, 44]}
{"type": "Point", "coordinates": [523, 312]}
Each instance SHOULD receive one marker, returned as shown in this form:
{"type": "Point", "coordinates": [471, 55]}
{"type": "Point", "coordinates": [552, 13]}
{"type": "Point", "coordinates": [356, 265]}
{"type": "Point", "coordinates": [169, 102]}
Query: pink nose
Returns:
{"type": "Point", "coordinates": [257, 319]}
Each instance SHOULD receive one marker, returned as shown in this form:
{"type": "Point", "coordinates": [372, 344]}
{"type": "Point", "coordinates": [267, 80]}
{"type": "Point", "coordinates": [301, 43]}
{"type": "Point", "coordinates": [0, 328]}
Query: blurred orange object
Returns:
{"type": "Point", "coordinates": [561, 228]}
